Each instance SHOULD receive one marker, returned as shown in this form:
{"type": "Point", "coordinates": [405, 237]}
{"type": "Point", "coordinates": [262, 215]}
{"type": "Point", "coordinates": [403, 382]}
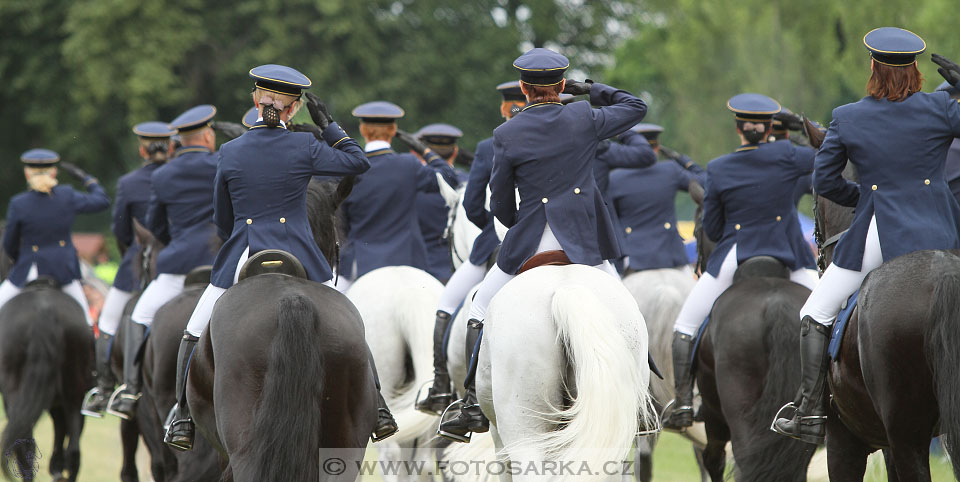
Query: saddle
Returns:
{"type": "Point", "coordinates": [272, 261]}
{"type": "Point", "coordinates": [198, 276]}
{"type": "Point", "coordinates": [547, 258]}
{"type": "Point", "coordinates": [44, 282]}
{"type": "Point", "coordinates": [761, 267]}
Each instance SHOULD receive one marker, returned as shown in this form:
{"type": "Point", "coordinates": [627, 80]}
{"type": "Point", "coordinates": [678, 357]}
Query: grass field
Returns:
{"type": "Point", "coordinates": [674, 462]}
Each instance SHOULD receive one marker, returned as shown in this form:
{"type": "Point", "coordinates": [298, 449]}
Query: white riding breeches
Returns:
{"type": "Point", "coordinates": [74, 289]}
{"type": "Point", "coordinates": [708, 288]}
{"type": "Point", "coordinates": [112, 310]}
{"type": "Point", "coordinates": [837, 284]}
{"type": "Point", "coordinates": [200, 317]}
{"type": "Point", "coordinates": [496, 278]}
{"type": "Point", "coordinates": [161, 290]}
{"type": "Point", "coordinates": [463, 280]}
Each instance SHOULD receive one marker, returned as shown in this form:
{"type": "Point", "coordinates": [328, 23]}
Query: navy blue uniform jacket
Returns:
{"type": "Point", "coordinates": [633, 151]}
{"type": "Point", "coordinates": [749, 201]}
{"type": "Point", "coordinates": [475, 203]}
{"type": "Point", "coordinates": [645, 203]}
{"type": "Point", "coordinates": [547, 152]}
{"type": "Point", "coordinates": [38, 230]}
{"type": "Point", "coordinates": [899, 150]}
{"type": "Point", "coordinates": [181, 210]}
{"type": "Point", "coordinates": [261, 194]}
{"type": "Point", "coordinates": [432, 215]}
{"type": "Point", "coordinates": [133, 198]}
{"type": "Point", "coordinates": [953, 168]}
{"type": "Point", "coordinates": [381, 211]}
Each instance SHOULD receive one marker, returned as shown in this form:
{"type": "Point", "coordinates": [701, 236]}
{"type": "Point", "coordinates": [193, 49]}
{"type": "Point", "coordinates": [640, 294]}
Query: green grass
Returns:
{"type": "Point", "coordinates": [673, 459]}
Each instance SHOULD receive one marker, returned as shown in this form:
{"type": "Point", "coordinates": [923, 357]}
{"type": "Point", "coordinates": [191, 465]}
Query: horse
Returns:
{"type": "Point", "coordinates": [273, 384]}
{"type": "Point", "coordinates": [894, 383]}
{"type": "Point", "coordinates": [746, 365]}
{"type": "Point", "coordinates": [398, 304]}
{"type": "Point", "coordinates": [46, 364]}
{"type": "Point", "coordinates": [563, 373]}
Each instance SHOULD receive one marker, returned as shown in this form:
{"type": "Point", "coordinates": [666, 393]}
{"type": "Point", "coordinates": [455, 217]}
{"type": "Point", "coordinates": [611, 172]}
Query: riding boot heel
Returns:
{"type": "Point", "coordinates": [180, 433]}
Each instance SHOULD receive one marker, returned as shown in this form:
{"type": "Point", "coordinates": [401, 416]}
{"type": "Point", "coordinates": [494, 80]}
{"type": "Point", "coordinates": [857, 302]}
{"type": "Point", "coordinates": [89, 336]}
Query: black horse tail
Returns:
{"type": "Point", "coordinates": [38, 380]}
{"type": "Point", "coordinates": [943, 342]}
{"type": "Point", "coordinates": [284, 438]}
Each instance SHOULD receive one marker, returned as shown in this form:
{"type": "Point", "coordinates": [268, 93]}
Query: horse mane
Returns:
{"type": "Point", "coordinates": [326, 223]}
{"type": "Point", "coordinates": [775, 458]}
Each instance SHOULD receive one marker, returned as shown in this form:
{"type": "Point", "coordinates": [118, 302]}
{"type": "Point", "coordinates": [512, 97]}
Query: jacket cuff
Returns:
{"type": "Point", "coordinates": [601, 94]}
{"type": "Point", "coordinates": [334, 135]}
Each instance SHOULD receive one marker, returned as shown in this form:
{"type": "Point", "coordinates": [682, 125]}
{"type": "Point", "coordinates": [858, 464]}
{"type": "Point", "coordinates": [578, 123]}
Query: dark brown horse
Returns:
{"type": "Point", "coordinates": [747, 364]}
{"type": "Point", "coordinates": [896, 382]}
{"type": "Point", "coordinates": [46, 363]}
{"type": "Point", "coordinates": [282, 372]}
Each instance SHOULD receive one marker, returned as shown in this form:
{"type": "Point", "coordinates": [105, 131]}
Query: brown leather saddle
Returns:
{"type": "Point", "coordinates": [272, 261]}
{"type": "Point", "coordinates": [547, 258]}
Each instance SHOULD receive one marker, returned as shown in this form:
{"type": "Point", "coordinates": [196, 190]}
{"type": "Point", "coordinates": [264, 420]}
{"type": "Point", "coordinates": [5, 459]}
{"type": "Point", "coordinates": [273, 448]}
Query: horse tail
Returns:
{"type": "Point", "coordinates": [611, 383]}
{"type": "Point", "coordinates": [943, 342]}
{"type": "Point", "coordinates": [39, 379]}
{"type": "Point", "coordinates": [285, 432]}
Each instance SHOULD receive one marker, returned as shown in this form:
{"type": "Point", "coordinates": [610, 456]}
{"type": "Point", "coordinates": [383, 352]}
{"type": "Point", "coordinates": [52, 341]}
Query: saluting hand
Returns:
{"type": "Point", "coordinates": [948, 69]}
{"type": "Point", "coordinates": [306, 128]}
{"type": "Point", "coordinates": [73, 170]}
{"type": "Point", "coordinates": [670, 153]}
{"type": "Point", "coordinates": [574, 87]}
{"type": "Point", "coordinates": [411, 141]}
{"type": "Point", "coordinates": [318, 111]}
{"type": "Point", "coordinates": [791, 121]}
{"type": "Point", "coordinates": [231, 130]}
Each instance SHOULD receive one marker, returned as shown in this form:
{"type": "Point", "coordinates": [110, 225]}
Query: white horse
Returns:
{"type": "Point", "coordinates": [563, 374]}
{"type": "Point", "coordinates": [398, 304]}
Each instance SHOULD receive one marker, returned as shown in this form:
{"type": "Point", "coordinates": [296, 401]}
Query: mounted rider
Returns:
{"type": "Point", "coordinates": [546, 152]}
{"type": "Point", "coordinates": [260, 203]}
{"type": "Point", "coordinates": [644, 201]}
{"type": "Point", "coordinates": [901, 207]}
{"type": "Point", "coordinates": [179, 215]}
{"type": "Point", "coordinates": [381, 211]}
{"type": "Point", "coordinates": [472, 271]}
{"type": "Point", "coordinates": [746, 213]}
{"type": "Point", "coordinates": [37, 233]}
{"type": "Point", "coordinates": [432, 212]}
{"type": "Point", "coordinates": [131, 202]}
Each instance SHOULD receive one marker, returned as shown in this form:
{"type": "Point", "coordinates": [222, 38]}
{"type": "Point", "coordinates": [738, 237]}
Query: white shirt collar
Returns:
{"type": "Point", "coordinates": [282, 123]}
{"type": "Point", "coordinates": [376, 146]}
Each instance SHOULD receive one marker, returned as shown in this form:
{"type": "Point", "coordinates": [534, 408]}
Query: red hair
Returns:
{"type": "Point", "coordinates": [894, 83]}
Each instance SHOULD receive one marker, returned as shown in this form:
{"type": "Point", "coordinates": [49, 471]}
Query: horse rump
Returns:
{"type": "Point", "coordinates": [292, 391]}
{"type": "Point", "coordinates": [943, 342]}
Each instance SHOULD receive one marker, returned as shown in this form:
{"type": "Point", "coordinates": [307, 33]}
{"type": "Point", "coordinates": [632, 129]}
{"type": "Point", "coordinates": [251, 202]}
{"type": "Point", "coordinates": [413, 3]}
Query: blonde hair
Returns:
{"type": "Point", "coordinates": [41, 179]}
{"type": "Point", "coordinates": [378, 131]}
{"type": "Point", "coordinates": [157, 149]}
{"type": "Point", "coordinates": [273, 98]}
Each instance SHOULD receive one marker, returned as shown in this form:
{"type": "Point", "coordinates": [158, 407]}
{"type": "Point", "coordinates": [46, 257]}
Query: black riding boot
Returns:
{"type": "Point", "coordinates": [681, 416]}
{"type": "Point", "coordinates": [809, 422]}
{"type": "Point", "coordinates": [123, 402]}
{"type": "Point", "coordinates": [471, 419]}
{"type": "Point", "coordinates": [386, 425]}
{"type": "Point", "coordinates": [440, 394]}
{"type": "Point", "coordinates": [96, 400]}
{"type": "Point", "coordinates": [180, 433]}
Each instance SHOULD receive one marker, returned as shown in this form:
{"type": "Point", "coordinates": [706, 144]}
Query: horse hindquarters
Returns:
{"type": "Point", "coordinates": [943, 343]}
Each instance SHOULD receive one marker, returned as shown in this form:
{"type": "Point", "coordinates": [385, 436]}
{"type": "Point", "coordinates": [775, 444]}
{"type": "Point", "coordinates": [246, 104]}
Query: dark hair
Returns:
{"type": "Point", "coordinates": [271, 116]}
{"type": "Point", "coordinates": [537, 94]}
{"type": "Point", "coordinates": [894, 83]}
{"type": "Point", "coordinates": [753, 135]}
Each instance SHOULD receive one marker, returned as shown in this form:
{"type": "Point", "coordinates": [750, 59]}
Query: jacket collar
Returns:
{"type": "Point", "coordinates": [186, 149]}
{"type": "Point", "coordinates": [538, 104]}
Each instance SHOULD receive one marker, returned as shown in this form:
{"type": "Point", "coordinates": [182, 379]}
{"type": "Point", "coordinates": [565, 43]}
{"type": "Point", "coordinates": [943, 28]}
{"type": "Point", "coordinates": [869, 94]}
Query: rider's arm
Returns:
{"type": "Point", "coordinates": [157, 214]}
{"type": "Point", "coordinates": [503, 194]}
{"type": "Point", "coordinates": [713, 218]}
{"type": "Point", "coordinates": [122, 225]}
{"type": "Point", "coordinates": [94, 200]}
{"type": "Point", "coordinates": [633, 151]}
{"type": "Point", "coordinates": [621, 110]}
{"type": "Point", "coordinates": [340, 156]}
{"type": "Point", "coordinates": [828, 178]}
{"type": "Point", "coordinates": [475, 195]}
{"type": "Point", "coordinates": [11, 234]}
{"type": "Point", "coordinates": [222, 207]}
{"type": "Point", "coordinates": [427, 174]}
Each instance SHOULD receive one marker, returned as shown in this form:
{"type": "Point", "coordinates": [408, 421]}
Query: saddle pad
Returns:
{"type": "Point", "coordinates": [841, 325]}
{"type": "Point", "coordinates": [696, 340]}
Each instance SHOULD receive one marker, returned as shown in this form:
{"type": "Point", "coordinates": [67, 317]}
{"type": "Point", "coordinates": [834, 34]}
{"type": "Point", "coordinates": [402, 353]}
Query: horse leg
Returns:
{"type": "Point", "coordinates": [891, 468]}
{"type": "Point", "coordinates": [715, 455]}
{"type": "Point", "coordinates": [129, 437]}
{"type": "Point", "coordinates": [704, 476]}
{"type": "Point", "coordinates": [74, 422]}
{"type": "Point", "coordinates": [846, 454]}
{"type": "Point", "coordinates": [912, 461]}
{"type": "Point", "coordinates": [59, 434]}
{"type": "Point", "coordinates": [643, 463]}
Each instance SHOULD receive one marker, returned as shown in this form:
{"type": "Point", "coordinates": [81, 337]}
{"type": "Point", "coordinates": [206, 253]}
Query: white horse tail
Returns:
{"type": "Point", "coordinates": [481, 449]}
{"type": "Point", "coordinates": [611, 376]}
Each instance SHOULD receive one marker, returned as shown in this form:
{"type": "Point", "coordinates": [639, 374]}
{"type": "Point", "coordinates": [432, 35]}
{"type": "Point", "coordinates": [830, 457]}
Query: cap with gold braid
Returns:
{"type": "Point", "coordinates": [40, 158]}
{"type": "Point", "coordinates": [542, 67]}
{"type": "Point", "coordinates": [753, 107]}
{"type": "Point", "coordinates": [280, 79]}
{"type": "Point", "coordinates": [893, 46]}
{"type": "Point", "coordinates": [154, 130]}
{"type": "Point", "coordinates": [379, 111]}
{"type": "Point", "coordinates": [194, 118]}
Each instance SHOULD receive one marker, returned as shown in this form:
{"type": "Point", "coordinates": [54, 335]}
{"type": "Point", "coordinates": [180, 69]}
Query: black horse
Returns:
{"type": "Point", "coordinates": [292, 370]}
{"type": "Point", "coordinates": [46, 363]}
{"type": "Point", "coordinates": [895, 383]}
{"type": "Point", "coordinates": [747, 364]}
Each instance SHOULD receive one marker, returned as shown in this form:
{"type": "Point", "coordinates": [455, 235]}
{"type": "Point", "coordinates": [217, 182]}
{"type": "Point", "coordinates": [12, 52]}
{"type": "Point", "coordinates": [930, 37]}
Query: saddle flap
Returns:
{"type": "Point", "coordinates": [761, 267]}
{"type": "Point", "coordinates": [44, 282]}
{"type": "Point", "coordinates": [276, 261]}
{"type": "Point", "coordinates": [547, 258]}
{"type": "Point", "coordinates": [199, 275]}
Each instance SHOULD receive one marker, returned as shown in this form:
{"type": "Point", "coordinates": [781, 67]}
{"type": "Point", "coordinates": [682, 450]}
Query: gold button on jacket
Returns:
{"type": "Point", "coordinates": [35, 248]}
{"type": "Point", "coordinates": [666, 225]}
{"type": "Point", "coordinates": [873, 187]}
{"type": "Point", "coordinates": [62, 243]}
{"type": "Point", "coordinates": [736, 226]}
{"type": "Point", "coordinates": [249, 221]}
{"type": "Point", "coordinates": [283, 220]}
{"type": "Point", "coordinates": [544, 200]}
{"type": "Point", "coordinates": [628, 230]}
{"type": "Point", "coordinates": [576, 190]}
